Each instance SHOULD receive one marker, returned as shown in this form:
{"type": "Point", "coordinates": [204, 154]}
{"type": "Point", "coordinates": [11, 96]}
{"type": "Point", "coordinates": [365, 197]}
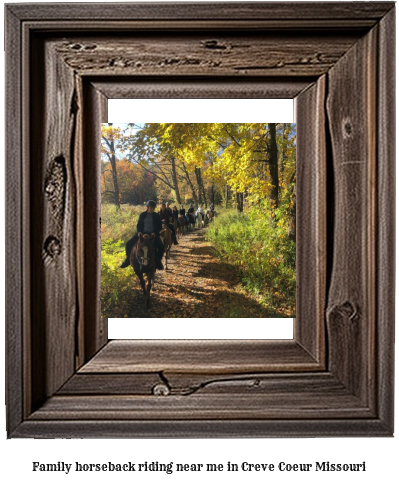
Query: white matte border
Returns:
{"type": "Point", "coordinates": [201, 111]}
{"type": "Point", "coordinates": [201, 328]}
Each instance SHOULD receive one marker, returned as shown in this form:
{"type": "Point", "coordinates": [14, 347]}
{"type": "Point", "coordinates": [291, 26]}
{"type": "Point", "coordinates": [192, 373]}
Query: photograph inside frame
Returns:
{"type": "Point", "coordinates": [198, 220]}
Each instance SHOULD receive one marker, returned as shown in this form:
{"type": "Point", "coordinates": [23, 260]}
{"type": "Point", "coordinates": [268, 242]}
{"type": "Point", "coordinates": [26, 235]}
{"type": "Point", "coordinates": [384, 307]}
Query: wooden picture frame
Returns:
{"type": "Point", "coordinates": [335, 378]}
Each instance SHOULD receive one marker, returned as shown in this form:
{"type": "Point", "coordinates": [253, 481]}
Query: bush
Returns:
{"type": "Point", "coordinates": [264, 254]}
{"type": "Point", "coordinates": [117, 226]}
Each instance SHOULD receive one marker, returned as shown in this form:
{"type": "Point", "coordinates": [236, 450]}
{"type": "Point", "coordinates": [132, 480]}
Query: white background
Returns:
{"type": "Point", "coordinates": [381, 454]}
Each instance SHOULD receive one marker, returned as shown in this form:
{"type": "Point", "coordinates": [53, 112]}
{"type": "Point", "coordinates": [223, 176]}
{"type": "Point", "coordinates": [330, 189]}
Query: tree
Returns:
{"type": "Point", "coordinates": [154, 151]}
{"type": "Point", "coordinates": [109, 139]}
{"type": "Point", "coordinates": [273, 166]}
{"type": "Point", "coordinates": [249, 163]}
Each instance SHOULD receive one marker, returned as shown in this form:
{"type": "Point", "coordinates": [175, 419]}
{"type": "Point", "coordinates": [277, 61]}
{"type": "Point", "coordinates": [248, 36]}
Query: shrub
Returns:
{"type": "Point", "coordinates": [117, 226]}
{"type": "Point", "coordinates": [264, 254]}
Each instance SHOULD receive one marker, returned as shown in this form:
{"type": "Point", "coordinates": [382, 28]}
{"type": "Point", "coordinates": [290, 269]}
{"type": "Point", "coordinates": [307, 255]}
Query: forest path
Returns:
{"type": "Point", "coordinates": [196, 285]}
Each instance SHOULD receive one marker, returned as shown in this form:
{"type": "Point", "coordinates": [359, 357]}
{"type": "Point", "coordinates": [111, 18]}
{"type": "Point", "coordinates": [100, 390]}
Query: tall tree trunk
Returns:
{"type": "Point", "coordinates": [174, 180]}
{"type": "Point", "coordinates": [112, 159]}
{"type": "Point", "coordinates": [240, 202]}
{"type": "Point", "coordinates": [273, 166]}
{"type": "Point", "coordinates": [204, 192]}
{"type": "Point", "coordinates": [227, 195]}
{"type": "Point", "coordinates": [284, 156]}
{"type": "Point", "coordinates": [187, 178]}
{"type": "Point", "coordinates": [199, 183]}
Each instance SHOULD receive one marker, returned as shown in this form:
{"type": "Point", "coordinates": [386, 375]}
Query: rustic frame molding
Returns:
{"type": "Point", "coordinates": [336, 377]}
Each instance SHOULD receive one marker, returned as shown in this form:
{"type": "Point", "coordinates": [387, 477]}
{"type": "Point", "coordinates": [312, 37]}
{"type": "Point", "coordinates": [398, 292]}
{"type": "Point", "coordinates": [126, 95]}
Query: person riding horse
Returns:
{"type": "Point", "coordinates": [176, 221]}
{"type": "Point", "coordinates": [191, 209]}
{"type": "Point", "coordinates": [182, 211]}
{"type": "Point", "coordinates": [212, 208]}
{"type": "Point", "coordinates": [166, 216]}
{"type": "Point", "coordinates": [149, 223]}
{"type": "Point", "coordinates": [175, 213]}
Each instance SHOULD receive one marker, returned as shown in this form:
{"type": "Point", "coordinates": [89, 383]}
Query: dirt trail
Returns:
{"type": "Point", "coordinates": [196, 285]}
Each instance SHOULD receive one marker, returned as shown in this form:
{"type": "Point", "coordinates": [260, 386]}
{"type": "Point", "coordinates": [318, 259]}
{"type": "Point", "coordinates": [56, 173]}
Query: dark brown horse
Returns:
{"type": "Point", "coordinates": [142, 259]}
{"type": "Point", "coordinates": [183, 224]}
{"type": "Point", "coordinates": [191, 221]}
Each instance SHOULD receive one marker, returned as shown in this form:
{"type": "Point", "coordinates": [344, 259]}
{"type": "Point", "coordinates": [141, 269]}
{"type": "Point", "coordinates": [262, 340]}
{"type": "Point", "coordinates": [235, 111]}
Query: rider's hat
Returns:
{"type": "Point", "coordinates": [151, 203]}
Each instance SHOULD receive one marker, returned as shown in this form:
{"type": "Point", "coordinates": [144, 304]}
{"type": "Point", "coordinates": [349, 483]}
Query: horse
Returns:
{"type": "Point", "coordinates": [166, 236]}
{"type": "Point", "coordinates": [200, 220]}
{"type": "Point", "coordinates": [183, 224]}
{"type": "Point", "coordinates": [209, 215]}
{"type": "Point", "coordinates": [142, 259]}
{"type": "Point", "coordinates": [191, 221]}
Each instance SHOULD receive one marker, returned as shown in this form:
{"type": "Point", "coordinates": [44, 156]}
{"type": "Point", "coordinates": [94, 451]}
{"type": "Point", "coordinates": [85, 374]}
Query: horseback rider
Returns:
{"type": "Point", "coordinates": [191, 212]}
{"type": "Point", "coordinates": [167, 217]}
{"type": "Point", "coordinates": [175, 213]}
{"type": "Point", "coordinates": [149, 223]}
{"type": "Point", "coordinates": [182, 211]}
{"type": "Point", "coordinates": [212, 208]}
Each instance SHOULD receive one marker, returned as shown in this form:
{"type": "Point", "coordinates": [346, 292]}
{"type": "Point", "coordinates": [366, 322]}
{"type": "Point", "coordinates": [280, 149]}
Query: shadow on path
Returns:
{"type": "Point", "coordinates": [196, 285]}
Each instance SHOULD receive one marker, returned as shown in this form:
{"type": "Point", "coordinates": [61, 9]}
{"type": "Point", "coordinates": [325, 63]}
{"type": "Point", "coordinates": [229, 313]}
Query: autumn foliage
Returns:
{"type": "Point", "coordinates": [248, 170]}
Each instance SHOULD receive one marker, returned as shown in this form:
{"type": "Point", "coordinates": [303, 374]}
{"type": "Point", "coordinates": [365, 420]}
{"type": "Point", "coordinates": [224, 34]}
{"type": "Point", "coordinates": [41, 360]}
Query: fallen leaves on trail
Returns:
{"type": "Point", "coordinates": [196, 285]}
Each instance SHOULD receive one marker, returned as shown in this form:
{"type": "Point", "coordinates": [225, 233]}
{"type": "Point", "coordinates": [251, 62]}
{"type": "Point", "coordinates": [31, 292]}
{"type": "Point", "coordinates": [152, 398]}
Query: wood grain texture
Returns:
{"type": "Point", "coordinates": [165, 389]}
{"type": "Point", "coordinates": [176, 87]}
{"type": "Point", "coordinates": [385, 245]}
{"type": "Point", "coordinates": [200, 356]}
{"type": "Point", "coordinates": [275, 396]}
{"type": "Point", "coordinates": [78, 175]}
{"type": "Point", "coordinates": [95, 330]}
{"type": "Point", "coordinates": [190, 428]}
{"type": "Point", "coordinates": [15, 236]}
{"type": "Point", "coordinates": [352, 123]}
{"type": "Point", "coordinates": [243, 54]}
{"type": "Point", "coordinates": [248, 11]}
{"type": "Point", "coordinates": [53, 210]}
{"type": "Point", "coordinates": [113, 384]}
{"type": "Point", "coordinates": [311, 219]}
{"type": "Point", "coordinates": [184, 383]}
{"type": "Point", "coordinates": [202, 407]}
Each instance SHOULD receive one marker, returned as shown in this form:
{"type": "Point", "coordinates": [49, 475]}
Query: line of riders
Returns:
{"type": "Point", "coordinates": [150, 223]}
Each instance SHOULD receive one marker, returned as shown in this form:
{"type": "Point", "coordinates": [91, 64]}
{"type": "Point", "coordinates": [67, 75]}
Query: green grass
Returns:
{"type": "Point", "coordinates": [264, 254]}
{"type": "Point", "coordinates": [117, 226]}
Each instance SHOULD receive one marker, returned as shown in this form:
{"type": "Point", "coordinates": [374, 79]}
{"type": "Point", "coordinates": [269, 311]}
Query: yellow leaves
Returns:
{"type": "Point", "coordinates": [109, 131]}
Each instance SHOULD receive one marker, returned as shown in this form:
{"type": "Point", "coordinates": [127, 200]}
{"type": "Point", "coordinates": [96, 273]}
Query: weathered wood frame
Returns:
{"type": "Point", "coordinates": [336, 377]}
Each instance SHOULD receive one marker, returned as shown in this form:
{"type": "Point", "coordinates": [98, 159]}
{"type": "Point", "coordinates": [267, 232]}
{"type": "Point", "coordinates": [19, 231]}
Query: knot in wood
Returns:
{"type": "Point", "coordinates": [213, 44]}
{"type": "Point", "coordinates": [52, 246]}
{"type": "Point", "coordinates": [90, 47]}
{"type": "Point", "coordinates": [161, 390]}
{"type": "Point", "coordinates": [347, 128]}
{"type": "Point", "coordinates": [50, 188]}
{"type": "Point", "coordinates": [54, 188]}
{"type": "Point", "coordinates": [349, 310]}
